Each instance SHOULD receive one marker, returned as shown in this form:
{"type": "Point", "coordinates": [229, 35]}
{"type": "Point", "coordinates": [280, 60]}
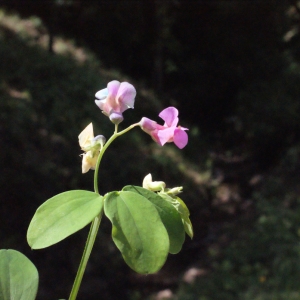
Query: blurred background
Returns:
{"type": "Point", "coordinates": [230, 67]}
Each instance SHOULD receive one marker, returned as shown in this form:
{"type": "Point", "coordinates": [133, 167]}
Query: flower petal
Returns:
{"type": "Point", "coordinates": [106, 98]}
{"type": "Point", "coordinates": [113, 88]}
{"type": "Point", "coordinates": [148, 125]}
{"type": "Point", "coordinates": [180, 138]}
{"type": "Point", "coordinates": [170, 116]}
{"type": "Point", "coordinates": [109, 104]}
{"type": "Point", "coordinates": [165, 135]}
{"type": "Point", "coordinates": [147, 180]}
{"type": "Point", "coordinates": [100, 103]}
{"type": "Point", "coordinates": [86, 136]}
{"type": "Point", "coordinates": [125, 96]}
{"type": "Point", "coordinates": [88, 161]}
{"type": "Point", "coordinates": [102, 94]}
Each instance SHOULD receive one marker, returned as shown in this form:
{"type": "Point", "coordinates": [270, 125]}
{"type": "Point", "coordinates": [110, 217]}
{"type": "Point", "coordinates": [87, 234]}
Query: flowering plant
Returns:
{"type": "Point", "coordinates": [148, 222]}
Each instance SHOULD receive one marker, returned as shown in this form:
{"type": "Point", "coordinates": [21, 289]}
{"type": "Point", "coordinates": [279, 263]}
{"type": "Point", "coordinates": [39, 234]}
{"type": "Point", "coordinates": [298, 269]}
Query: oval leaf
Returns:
{"type": "Point", "coordinates": [168, 214]}
{"type": "Point", "coordinates": [61, 216]}
{"type": "Point", "coordinates": [137, 231]}
{"type": "Point", "coordinates": [19, 277]}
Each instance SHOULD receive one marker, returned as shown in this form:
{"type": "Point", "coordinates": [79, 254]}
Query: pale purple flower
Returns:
{"type": "Point", "coordinates": [169, 132]}
{"type": "Point", "coordinates": [115, 99]}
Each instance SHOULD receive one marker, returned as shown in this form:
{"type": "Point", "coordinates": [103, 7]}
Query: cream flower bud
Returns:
{"type": "Point", "coordinates": [174, 191]}
{"type": "Point", "coordinates": [154, 186]}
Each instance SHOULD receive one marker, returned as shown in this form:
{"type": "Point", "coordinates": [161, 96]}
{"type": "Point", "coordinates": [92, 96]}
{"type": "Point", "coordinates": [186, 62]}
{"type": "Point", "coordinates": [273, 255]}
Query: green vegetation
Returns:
{"type": "Point", "coordinates": [238, 93]}
{"type": "Point", "coordinates": [46, 101]}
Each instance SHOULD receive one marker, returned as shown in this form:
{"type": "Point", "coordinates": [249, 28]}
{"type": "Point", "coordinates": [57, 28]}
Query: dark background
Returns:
{"type": "Point", "coordinates": [232, 70]}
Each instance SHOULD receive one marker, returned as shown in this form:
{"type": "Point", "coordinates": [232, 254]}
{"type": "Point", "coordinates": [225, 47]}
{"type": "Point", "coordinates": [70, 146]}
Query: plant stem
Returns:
{"type": "Point", "coordinates": [111, 139]}
{"type": "Point", "coordinates": [86, 254]}
{"type": "Point", "coordinates": [96, 222]}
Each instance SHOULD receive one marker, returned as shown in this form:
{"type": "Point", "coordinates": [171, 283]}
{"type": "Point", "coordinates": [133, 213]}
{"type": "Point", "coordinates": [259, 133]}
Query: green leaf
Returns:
{"type": "Point", "coordinates": [182, 209]}
{"type": "Point", "coordinates": [61, 216]}
{"type": "Point", "coordinates": [168, 214]}
{"type": "Point", "coordinates": [19, 277]}
{"type": "Point", "coordinates": [185, 215]}
{"type": "Point", "coordinates": [137, 231]}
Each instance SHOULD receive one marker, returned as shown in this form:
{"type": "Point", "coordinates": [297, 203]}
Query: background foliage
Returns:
{"type": "Point", "coordinates": [232, 69]}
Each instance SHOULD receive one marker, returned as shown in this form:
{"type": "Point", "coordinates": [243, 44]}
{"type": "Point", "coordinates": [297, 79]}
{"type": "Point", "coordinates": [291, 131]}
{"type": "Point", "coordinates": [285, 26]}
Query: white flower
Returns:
{"type": "Point", "coordinates": [91, 146]}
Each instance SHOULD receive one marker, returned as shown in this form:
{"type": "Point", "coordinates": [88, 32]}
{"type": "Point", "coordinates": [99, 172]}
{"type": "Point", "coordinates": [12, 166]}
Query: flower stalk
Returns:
{"type": "Point", "coordinates": [96, 222]}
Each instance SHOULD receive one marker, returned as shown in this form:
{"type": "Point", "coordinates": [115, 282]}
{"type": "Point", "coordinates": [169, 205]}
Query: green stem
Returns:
{"type": "Point", "coordinates": [85, 256]}
{"type": "Point", "coordinates": [96, 222]}
{"type": "Point", "coordinates": [112, 138]}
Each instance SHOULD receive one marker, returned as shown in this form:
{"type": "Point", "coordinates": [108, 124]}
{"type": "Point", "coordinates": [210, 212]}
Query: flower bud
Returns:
{"type": "Point", "coordinates": [153, 186]}
{"type": "Point", "coordinates": [98, 140]}
{"type": "Point", "coordinates": [174, 191]}
{"type": "Point", "coordinates": [116, 117]}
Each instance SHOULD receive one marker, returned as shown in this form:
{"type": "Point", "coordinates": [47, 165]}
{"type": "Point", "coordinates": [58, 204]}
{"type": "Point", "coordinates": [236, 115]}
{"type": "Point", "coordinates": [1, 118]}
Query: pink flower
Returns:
{"type": "Point", "coordinates": [115, 99]}
{"type": "Point", "coordinates": [169, 132]}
